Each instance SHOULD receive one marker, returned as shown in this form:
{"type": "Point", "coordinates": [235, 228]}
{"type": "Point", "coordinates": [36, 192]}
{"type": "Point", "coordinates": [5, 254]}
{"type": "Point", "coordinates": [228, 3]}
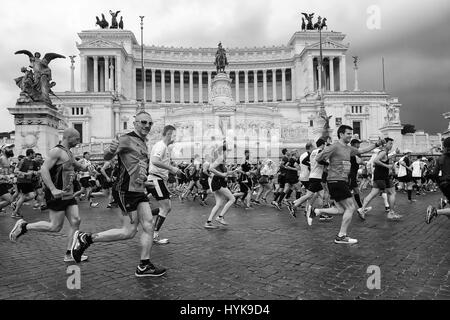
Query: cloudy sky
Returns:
{"type": "Point", "coordinates": [413, 38]}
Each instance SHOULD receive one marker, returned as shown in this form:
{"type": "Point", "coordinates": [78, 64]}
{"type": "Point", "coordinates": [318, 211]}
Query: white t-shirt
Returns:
{"type": "Point", "coordinates": [316, 169]}
{"type": "Point", "coordinates": [160, 151]}
{"type": "Point", "coordinates": [304, 170]}
{"type": "Point", "coordinates": [417, 169]}
{"type": "Point", "coordinates": [85, 174]}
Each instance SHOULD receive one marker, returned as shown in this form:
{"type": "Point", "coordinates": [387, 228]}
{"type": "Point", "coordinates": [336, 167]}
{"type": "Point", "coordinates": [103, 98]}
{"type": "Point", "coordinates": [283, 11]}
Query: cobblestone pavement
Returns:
{"type": "Point", "coordinates": [262, 255]}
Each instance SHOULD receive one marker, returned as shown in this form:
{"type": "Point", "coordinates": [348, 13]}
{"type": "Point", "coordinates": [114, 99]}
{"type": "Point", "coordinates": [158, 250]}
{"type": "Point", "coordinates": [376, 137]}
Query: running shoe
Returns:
{"type": "Point", "coordinates": [361, 214]}
{"type": "Point", "coordinates": [256, 202]}
{"type": "Point", "coordinates": [68, 258]}
{"type": "Point", "coordinates": [221, 220]}
{"type": "Point", "coordinates": [442, 203]}
{"type": "Point", "coordinates": [412, 200]}
{"type": "Point", "coordinates": [249, 208]}
{"type": "Point", "coordinates": [277, 205]}
{"type": "Point", "coordinates": [431, 214]}
{"type": "Point", "coordinates": [393, 216]}
{"type": "Point", "coordinates": [14, 206]}
{"type": "Point", "coordinates": [158, 240]}
{"type": "Point", "coordinates": [16, 215]}
{"type": "Point", "coordinates": [18, 230]}
{"type": "Point", "coordinates": [93, 204]}
{"type": "Point", "coordinates": [291, 209]}
{"type": "Point", "coordinates": [345, 240]}
{"type": "Point", "coordinates": [325, 218]}
{"type": "Point", "coordinates": [79, 245]}
{"type": "Point", "coordinates": [149, 271]}
{"type": "Point", "coordinates": [43, 207]}
{"type": "Point", "coordinates": [209, 225]}
{"type": "Point", "coordinates": [309, 215]}
{"type": "Point", "coordinates": [387, 209]}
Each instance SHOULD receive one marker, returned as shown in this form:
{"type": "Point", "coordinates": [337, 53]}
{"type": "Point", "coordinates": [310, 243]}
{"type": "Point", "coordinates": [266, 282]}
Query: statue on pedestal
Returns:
{"type": "Point", "coordinates": [114, 24]}
{"type": "Point", "coordinates": [36, 84]}
{"type": "Point", "coordinates": [391, 116]}
{"type": "Point", "coordinates": [309, 18]}
{"type": "Point", "coordinates": [102, 23]}
{"type": "Point", "coordinates": [221, 59]}
{"type": "Point", "coordinates": [355, 61]}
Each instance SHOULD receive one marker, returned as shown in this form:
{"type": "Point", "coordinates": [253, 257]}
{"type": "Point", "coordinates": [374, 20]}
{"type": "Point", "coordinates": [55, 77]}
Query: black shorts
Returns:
{"type": "Point", "coordinates": [315, 185]}
{"type": "Point", "coordinates": [383, 184]}
{"type": "Point", "coordinates": [76, 185]}
{"type": "Point", "coordinates": [352, 181]}
{"type": "Point", "coordinates": [171, 179]}
{"type": "Point", "coordinates": [217, 183]}
{"type": "Point", "coordinates": [405, 179]}
{"type": "Point", "coordinates": [105, 184]}
{"type": "Point", "coordinates": [128, 201]}
{"type": "Point", "coordinates": [159, 190]}
{"type": "Point", "coordinates": [204, 183]}
{"type": "Point", "coordinates": [417, 180]}
{"type": "Point", "coordinates": [244, 187]}
{"type": "Point", "coordinates": [282, 180]}
{"type": "Point", "coordinates": [307, 183]}
{"type": "Point", "coordinates": [445, 188]}
{"type": "Point", "coordinates": [339, 190]}
{"type": "Point", "coordinates": [25, 187]}
{"type": "Point", "coordinates": [85, 182]}
{"type": "Point", "coordinates": [292, 180]}
{"type": "Point", "coordinates": [4, 188]}
{"type": "Point", "coordinates": [58, 204]}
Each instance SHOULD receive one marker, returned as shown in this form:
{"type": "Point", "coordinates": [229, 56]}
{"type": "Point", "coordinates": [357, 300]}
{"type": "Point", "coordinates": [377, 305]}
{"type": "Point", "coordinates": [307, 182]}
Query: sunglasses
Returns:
{"type": "Point", "coordinates": [145, 122]}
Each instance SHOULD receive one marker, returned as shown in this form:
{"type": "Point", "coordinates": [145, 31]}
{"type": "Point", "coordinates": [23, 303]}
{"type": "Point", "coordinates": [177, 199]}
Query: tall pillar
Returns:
{"type": "Point", "coordinates": [95, 73]}
{"type": "Point", "coordinates": [283, 84]}
{"type": "Point", "coordinates": [246, 85]}
{"type": "Point", "coordinates": [200, 87]}
{"type": "Point", "coordinates": [153, 85]}
{"type": "Point", "coordinates": [356, 78]}
{"type": "Point", "coordinates": [163, 86]}
{"type": "Point", "coordinates": [72, 74]}
{"type": "Point", "coordinates": [331, 66]}
{"type": "Point", "coordinates": [310, 65]}
{"type": "Point", "coordinates": [236, 77]}
{"type": "Point", "coordinates": [107, 73]}
{"type": "Point", "coordinates": [181, 86]}
{"type": "Point", "coordinates": [83, 72]}
{"type": "Point", "coordinates": [343, 73]}
{"type": "Point", "coordinates": [274, 85]}
{"type": "Point", "coordinates": [293, 83]}
{"type": "Point", "coordinates": [319, 87]}
{"type": "Point", "coordinates": [265, 85]}
{"type": "Point", "coordinates": [87, 136]}
{"type": "Point", "coordinates": [112, 75]}
{"type": "Point", "coordinates": [144, 79]}
{"type": "Point", "coordinates": [255, 85]}
{"type": "Point", "coordinates": [172, 86]}
{"type": "Point", "coordinates": [209, 84]}
{"type": "Point", "coordinates": [117, 122]}
{"type": "Point", "coordinates": [119, 74]}
{"type": "Point", "coordinates": [191, 86]}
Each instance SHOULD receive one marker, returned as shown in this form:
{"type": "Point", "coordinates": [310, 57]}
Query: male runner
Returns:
{"type": "Point", "coordinates": [382, 182]}
{"type": "Point", "coordinates": [442, 174]}
{"type": "Point", "coordinates": [6, 175]}
{"type": "Point", "coordinates": [86, 188]}
{"type": "Point", "coordinates": [158, 175]}
{"type": "Point", "coordinates": [281, 178]}
{"type": "Point", "coordinates": [58, 172]}
{"type": "Point", "coordinates": [129, 193]}
{"type": "Point", "coordinates": [339, 155]}
{"type": "Point", "coordinates": [26, 170]}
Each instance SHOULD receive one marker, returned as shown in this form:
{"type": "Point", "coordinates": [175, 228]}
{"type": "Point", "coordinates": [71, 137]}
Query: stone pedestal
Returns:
{"type": "Point", "coordinates": [221, 95]}
{"type": "Point", "coordinates": [393, 131]}
{"type": "Point", "coordinates": [36, 128]}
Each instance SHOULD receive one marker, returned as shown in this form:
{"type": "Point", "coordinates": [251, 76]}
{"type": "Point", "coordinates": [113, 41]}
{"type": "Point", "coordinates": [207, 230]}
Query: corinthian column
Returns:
{"type": "Point", "coordinates": [163, 86]}
{"type": "Point", "coordinates": [283, 84]}
{"type": "Point", "coordinates": [255, 85]}
{"type": "Point", "coordinates": [265, 85]}
{"type": "Point", "coordinates": [95, 74]}
{"type": "Point", "coordinates": [246, 85]}
{"type": "Point", "coordinates": [107, 73]}
{"type": "Point", "coordinates": [236, 77]}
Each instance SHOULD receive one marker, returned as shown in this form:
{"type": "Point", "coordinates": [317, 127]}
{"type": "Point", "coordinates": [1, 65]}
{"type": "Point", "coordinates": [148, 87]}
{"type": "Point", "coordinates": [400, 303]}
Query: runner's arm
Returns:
{"type": "Point", "coordinates": [158, 163]}
{"type": "Point", "coordinates": [49, 162]}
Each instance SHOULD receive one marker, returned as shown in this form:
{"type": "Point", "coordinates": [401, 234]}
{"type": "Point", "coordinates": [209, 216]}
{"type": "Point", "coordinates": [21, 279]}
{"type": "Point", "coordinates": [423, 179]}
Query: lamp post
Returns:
{"type": "Point", "coordinates": [322, 111]}
{"type": "Point", "coordinates": [142, 106]}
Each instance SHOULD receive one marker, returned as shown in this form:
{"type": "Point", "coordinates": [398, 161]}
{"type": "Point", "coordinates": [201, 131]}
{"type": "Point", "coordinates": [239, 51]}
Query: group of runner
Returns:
{"type": "Point", "coordinates": [327, 172]}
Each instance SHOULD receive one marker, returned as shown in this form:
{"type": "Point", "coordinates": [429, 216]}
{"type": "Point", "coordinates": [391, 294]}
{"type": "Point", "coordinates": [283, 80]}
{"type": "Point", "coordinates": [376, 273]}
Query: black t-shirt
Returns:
{"type": "Point", "coordinates": [25, 166]}
{"type": "Point", "coordinates": [291, 163]}
{"type": "Point", "coordinates": [246, 167]}
{"type": "Point", "coordinates": [284, 161]}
